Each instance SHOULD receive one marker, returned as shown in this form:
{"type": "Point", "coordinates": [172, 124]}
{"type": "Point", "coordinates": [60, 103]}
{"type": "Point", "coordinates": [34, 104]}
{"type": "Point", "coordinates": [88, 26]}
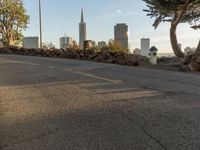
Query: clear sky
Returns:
{"type": "Point", "coordinates": [62, 17]}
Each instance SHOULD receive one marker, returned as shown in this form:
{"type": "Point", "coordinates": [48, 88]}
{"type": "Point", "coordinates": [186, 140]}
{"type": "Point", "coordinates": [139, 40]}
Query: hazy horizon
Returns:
{"type": "Point", "coordinates": [62, 17]}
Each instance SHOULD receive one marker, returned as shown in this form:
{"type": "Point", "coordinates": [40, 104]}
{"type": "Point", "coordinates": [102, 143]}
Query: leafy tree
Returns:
{"type": "Point", "coordinates": [75, 45]}
{"type": "Point", "coordinates": [114, 46]}
{"type": "Point", "coordinates": [13, 20]}
{"type": "Point", "coordinates": [175, 12]}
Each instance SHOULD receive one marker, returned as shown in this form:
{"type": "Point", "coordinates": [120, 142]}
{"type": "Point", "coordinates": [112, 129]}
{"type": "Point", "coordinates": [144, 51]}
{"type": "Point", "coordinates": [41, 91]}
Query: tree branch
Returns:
{"type": "Point", "coordinates": [181, 13]}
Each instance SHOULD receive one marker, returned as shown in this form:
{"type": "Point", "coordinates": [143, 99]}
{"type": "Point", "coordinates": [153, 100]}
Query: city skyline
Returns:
{"type": "Point", "coordinates": [60, 18]}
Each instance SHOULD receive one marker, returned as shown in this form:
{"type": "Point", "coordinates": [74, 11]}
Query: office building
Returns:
{"type": "Point", "coordinates": [48, 45]}
{"type": "Point", "coordinates": [121, 35]}
{"type": "Point", "coordinates": [66, 42]}
{"type": "Point", "coordinates": [87, 44]}
{"type": "Point", "coordinates": [145, 46]}
{"type": "Point", "coordinates": [82, 31]}
{"type": "Point", "coordinates": [94, 44]}
{"type": "Point", "coordinates": [137, 51]}
{"type": "Point", "coordinates": [31, 42]}
{"type": "Point", "coordinates": [102, 44]}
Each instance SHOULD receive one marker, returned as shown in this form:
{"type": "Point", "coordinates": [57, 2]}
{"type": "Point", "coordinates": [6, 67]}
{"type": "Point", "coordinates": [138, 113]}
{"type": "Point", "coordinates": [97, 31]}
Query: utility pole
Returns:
{"type": "Point", "coordinates": [40, 20]}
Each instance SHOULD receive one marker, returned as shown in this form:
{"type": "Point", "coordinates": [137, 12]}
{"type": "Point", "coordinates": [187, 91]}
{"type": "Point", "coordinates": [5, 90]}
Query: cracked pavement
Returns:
{"type": "Point", "coordinates": [61, 104]}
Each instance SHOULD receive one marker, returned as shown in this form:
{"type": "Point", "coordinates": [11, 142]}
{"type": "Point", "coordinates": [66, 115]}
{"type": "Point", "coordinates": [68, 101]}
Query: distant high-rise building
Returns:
{"type": "Point", "coordinates": [87, 44]}
{"type": "Point", "coordinates": [66, 42]}
{"type": "Point", "coordinates": [48, 45]}
{"type": "Point", "coordinates": [31, 42]}
{"type": "Point", "coordinates": [82, 31]}
{"type": "Point", "coordinates": [121, 35]}
{"type": "Point", "coordinates": [145, 46]}
{"type": "Point", "coordinates": [94, 44]}
{"type": "Point", "coordinates": [137, 51]}
{"type": "Point", "coordinates": [102, 44]}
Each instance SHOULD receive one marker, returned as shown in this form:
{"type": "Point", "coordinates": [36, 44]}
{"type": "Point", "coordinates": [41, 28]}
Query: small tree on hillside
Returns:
{"type": "Point", "coordinates": [13, 20]}
{"type": "Point", "coordinates": [114, 46]}
{"type": "Point", "coordinates": [75, 45]}
{"type": "Point", "coordinates": [175, 12]}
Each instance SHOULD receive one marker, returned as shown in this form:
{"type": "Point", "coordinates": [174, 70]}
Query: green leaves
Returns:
{"type": "Point", "coordinates": [174, 11]}
{"type": "Point", "coordinates": [13, 19]}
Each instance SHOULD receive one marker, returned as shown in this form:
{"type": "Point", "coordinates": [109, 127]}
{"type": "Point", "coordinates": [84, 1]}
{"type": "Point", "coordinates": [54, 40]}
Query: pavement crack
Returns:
{"type": "Point", "coordinates": [144, 130]}
{"type": "Point", "coordinates": [153, 138]}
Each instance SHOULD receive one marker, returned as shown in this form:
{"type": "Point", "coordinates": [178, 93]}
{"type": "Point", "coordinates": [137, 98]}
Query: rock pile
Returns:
{"type": "Point", "coordinates": [168, 60]}
{"type": "Point", "coordinates": [99, 56]}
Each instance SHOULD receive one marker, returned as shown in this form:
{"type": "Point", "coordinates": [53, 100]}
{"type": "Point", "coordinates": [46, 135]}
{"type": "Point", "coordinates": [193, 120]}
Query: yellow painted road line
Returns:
{"type": "Point", "coordinates": [94, 76]}
{"type": "Point", "coordinates": [19, 62]}
{"type": "Point", "coordinates": [97, 77]}
{"type": "Point", "coordinates": [8, 61]}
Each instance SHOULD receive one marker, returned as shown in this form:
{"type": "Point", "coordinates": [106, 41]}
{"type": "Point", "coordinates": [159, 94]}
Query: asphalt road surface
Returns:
{"type": "Point", "coordinates": [60, 104]}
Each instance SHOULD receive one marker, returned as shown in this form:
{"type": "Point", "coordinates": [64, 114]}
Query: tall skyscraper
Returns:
{"type": "Point", "coordinates": [31, 42]}
{"type": "Point", "coordinates": [145, 46]}
{"type": "Point", "coordinates": [82, 31]}
{"type": "Point", "coordinates": [121, 35]}
{"type": "Point", "coordinates": [40, 16]}
{"type": "Point", "coordinates": [66, 42]}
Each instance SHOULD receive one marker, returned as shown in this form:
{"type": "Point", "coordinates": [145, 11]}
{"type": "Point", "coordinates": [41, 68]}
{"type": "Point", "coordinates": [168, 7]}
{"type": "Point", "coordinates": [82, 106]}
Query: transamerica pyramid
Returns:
{"type": "Point", "coordinates": [82, 31]}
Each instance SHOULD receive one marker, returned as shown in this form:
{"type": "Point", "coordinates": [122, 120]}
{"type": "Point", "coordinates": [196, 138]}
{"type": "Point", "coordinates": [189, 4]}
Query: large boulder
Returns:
{"type": "Point", "coordinates": [93, 56]}
{"type": "Point", "coordinates": [193, 65]}
{"type": "Point", "coordinates": [168, 60]}
{"type": "Point", "coordinates": [191, 62]}
{"type": "Point", "coordinates": [132, 63]}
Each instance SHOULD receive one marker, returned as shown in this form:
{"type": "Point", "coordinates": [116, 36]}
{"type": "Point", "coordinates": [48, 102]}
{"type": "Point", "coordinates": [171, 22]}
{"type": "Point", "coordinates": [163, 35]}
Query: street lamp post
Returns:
{"type": "Point", "coordinates": [40, 20]}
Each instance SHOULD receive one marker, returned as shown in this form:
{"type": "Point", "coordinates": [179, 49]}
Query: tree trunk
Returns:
{"type": "Point", "coordinates": [174, 43]}
{"type": "Point", "coordinates": [195, 54]}
{"type": "Point", "coordinates": [198, 48]}
{"type": "Point", "coordinates": [192, 61]}
{"type": "Point", "coordinates": [11, 42]}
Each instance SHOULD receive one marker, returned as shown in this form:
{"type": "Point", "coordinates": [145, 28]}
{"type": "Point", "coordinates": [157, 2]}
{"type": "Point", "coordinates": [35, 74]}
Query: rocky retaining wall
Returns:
{"type": "Point", "coordinates": [99, 56]}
